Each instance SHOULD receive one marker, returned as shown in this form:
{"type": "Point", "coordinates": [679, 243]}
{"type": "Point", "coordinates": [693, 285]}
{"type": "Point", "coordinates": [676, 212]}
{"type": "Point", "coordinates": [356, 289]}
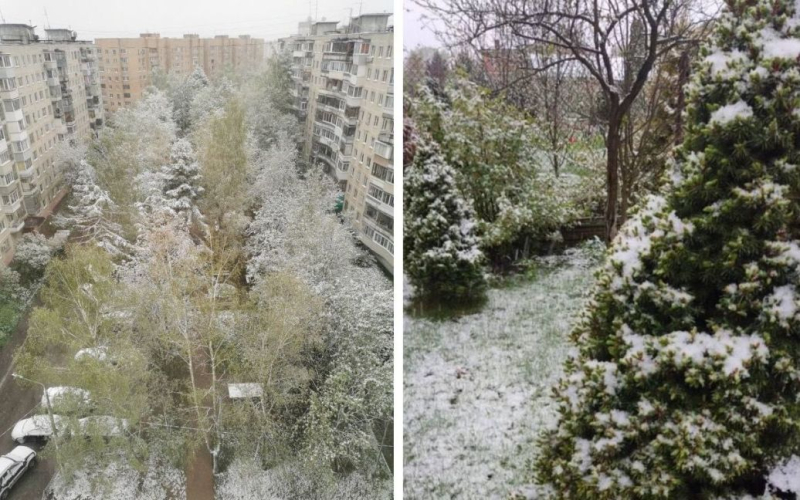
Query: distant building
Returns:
{"type": "Point", "coordinates": [344, 90]}
{"type": "Point", "coordinates": [127, 64]}
{"type": "Point", "coordinates": [50, 93]}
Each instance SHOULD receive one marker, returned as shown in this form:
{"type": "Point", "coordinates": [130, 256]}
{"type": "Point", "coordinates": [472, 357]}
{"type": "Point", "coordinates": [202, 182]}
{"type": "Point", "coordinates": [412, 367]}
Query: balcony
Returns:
{"type": "Point", "coordinates": [383, 150]}
{"type": "Point", "coordinates": [333, 74]}
{"type": "Point", "coordinates": [374, 236]}
{"type": "Point", "coordinates": [8, 188]}
{"type": "Point", "coordinates": [330, 162]}
{"type": "Point", "coordinates": [20, 225]}
{"type": "Point", "coordinates": [8, 72]}
{"type": "Point", "coordinates": [9, 94]}
{"type": "Point", "coordinates": [51, 64]}
{"type": "Point", "coordinates": [302, 54]}
{"type": "Point", "coordinates": [352, 101]}
{"type": "Point", "coordinates": [13, 207]}
{"type": "Point", "coordinates": [362, 59]}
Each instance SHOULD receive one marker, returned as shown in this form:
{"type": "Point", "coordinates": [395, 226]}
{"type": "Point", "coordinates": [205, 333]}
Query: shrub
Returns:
{"type": "Point", "coordinates": [442, 258]}
{"type": "Point", "coordinates": [686, 380]}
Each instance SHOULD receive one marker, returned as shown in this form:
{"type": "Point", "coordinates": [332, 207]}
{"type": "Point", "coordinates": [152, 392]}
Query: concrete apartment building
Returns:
{"type": "Point", "coordinates": [344, 90]}
{"type": "Point", "coordinates": [50, 93]}
{"type": "Point", "coordinates": [127, 64]}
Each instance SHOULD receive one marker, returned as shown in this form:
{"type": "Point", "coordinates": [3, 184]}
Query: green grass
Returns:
{"type": "Point", "coordinates": [476, 387]}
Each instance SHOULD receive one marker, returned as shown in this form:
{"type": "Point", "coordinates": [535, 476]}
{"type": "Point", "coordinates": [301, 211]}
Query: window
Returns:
{"type": "Point", "coordinates": [383, 173]}
{"type": "Point", "coordinates": [380, 195]}
{"type": "Point", "coordinates": [7, 84]}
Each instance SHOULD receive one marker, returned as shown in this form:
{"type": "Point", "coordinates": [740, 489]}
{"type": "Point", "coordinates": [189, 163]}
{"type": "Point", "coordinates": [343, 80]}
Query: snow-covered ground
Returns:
{"type": "Point", "coordinates": [477, 388]}
{"type": "Point", "coordinates": [160, 482]}
{"type": "Point", "coordinates": [245, 481]}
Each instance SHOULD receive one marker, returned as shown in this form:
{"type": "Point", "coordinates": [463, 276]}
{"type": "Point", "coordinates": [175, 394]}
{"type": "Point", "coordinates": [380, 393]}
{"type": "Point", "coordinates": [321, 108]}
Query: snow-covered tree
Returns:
{"type": "Point", "coordinates": [33, 253]}
{"type": "Point", "coordinates": [182, 178]}
{"type": "Point", "coordinates": [496, 152]}
{"type": "Point", "coordinates": [441, 253]}
{"type": "Point", "coordinates": [183, 96]}
{"type": "Point", "coordinates": [686, 377]}
{"type": "Point", "coordinates": [210, 100]}
{"type": "Point", "coordinates": [91, 213]}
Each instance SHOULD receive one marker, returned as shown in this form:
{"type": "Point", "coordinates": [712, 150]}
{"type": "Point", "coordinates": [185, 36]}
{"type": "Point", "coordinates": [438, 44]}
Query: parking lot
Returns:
{"type": "Point", "coordinates": [17, 403]}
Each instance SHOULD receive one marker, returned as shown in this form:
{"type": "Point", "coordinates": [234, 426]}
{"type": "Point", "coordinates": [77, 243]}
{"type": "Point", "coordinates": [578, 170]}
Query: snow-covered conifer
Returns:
{"type": "Point", "coordinates": [183, 96]}
{"type": "Point", "coordinates": [442, 258]}
{"type": "Point", "coordinates": [686, 377]}
{"type": "Point", "coordinates": [91, 212]}
{"type": "Point", "coordinates": [181, 178]}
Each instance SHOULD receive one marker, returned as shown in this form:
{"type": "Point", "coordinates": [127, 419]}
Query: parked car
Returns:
{"type": "Point", "coordinates": [36, 428]}
{"type": "Point", "coordinates": [65, 397]}
{"type": "Point", "coordinates": [12, 466]}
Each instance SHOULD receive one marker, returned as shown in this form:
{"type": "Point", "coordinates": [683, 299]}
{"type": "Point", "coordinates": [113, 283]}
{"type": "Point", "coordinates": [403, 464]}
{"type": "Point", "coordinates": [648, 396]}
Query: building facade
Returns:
{"type": "Point", "coordinates": [127, 64]}
{"type": "Point", "coordinates": [50, 92]}
{"type": "Point", "coordinates": [344, 91]}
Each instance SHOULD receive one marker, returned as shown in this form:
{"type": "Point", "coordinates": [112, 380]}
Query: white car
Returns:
{"type": "Point", "coordinates": [38, 427]}
{"type": "Point", "coordinates": [12, 466]}
{"type": "Point", "coordinates": [103, 425]}
{"type": "Point", "coordinates": [65, 396]}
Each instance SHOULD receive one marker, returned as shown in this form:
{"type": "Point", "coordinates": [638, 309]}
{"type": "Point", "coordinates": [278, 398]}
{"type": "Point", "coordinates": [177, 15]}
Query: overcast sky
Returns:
{"type": "Point", "coordinates": [416, 32]}
{"type": "Point", "coordinates": [268, 19]}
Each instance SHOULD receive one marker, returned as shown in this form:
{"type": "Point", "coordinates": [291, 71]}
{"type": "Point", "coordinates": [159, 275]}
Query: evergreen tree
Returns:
{"type": "Point", "coordinates": [184, 95]}
{"type": "Point", "coordinates": [442, 258]}
{"type": "Point", "coordinates": [92, 211]}
{"type": "Point", "coordinates": [181, 178]}
{"type": "Point", "coordinates": [686, 378]}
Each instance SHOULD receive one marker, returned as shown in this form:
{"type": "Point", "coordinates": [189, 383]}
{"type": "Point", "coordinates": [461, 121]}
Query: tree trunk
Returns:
{"type": "Point", "coordinates": [684, 69]}
{"type": "Point", "coordinates": [613, 143]}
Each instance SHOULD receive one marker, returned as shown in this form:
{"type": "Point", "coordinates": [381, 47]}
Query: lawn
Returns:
{"type": "Point", "coordinates": [477, 386]}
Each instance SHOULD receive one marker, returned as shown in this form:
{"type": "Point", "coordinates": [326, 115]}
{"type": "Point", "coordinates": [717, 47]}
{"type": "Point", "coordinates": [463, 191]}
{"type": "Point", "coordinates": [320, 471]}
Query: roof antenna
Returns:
{"type": "Point", "coordinates": [2, 16]}
{"type": "Point", "coordinates": [47, 19]}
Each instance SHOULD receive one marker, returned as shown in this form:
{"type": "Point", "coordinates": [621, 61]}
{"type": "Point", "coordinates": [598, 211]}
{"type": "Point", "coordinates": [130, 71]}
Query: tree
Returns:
{"type": "Point", "coordinates": [413, 72]}
{"type": "Point", "coordinates": [183, 96]}
{"type": "Point", "coordinates": [582, 32]}
{"type": "Point", "coordinates": [436, 69]}
{"type": "Point", "coordinates": [685, 380]}
{"type": "Point", "coordinates": [182, 179]}
{"type": "Point", "coordinates": [223, 161]}
{"type": "Point", "coordinates": [91, 213]}
{"type": "Point", "coordinates": [81, 309]}
{"type": "Point", "coordinates": [495, 153]}
{"type": "Point", "coordinates": [32, 255]}
{"type": "Point", "coordinates": [442, 258]}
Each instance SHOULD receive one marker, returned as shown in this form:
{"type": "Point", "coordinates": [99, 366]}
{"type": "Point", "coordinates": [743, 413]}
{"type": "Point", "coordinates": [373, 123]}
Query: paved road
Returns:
{"type": "Point", "coordinates": [16, 402]}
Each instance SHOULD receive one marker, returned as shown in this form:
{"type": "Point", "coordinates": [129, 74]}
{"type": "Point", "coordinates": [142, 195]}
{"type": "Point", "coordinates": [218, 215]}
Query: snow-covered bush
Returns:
{"type": "Point", "coordinates": [32, 255]}
{"type": "Point", "coordinates": [441, 252]}
{"type": "Point", "coordinates": [496, 154]}
{"type": "Point", "coordinates": [686, 378]}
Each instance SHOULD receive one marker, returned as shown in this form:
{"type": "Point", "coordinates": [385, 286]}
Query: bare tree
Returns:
{"type": "Point", "coordinates": [589, 33]}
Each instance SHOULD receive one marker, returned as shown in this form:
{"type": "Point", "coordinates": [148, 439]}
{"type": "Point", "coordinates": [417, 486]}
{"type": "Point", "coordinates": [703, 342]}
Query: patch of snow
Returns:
{"type": "Point", "coordinates": [786, 475]}
{"type": "Point", "coordinates": [478, 386]}
{"type": "Point", "coordinates": [726, 114]}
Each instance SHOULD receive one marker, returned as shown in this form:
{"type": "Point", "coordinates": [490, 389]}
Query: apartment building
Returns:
{"type": "Point", "coordinates": [50, 93]}
{"type": "Point", "coordinates": [127, 64]}
{"type": "Point", "coordinates": [344, 90]}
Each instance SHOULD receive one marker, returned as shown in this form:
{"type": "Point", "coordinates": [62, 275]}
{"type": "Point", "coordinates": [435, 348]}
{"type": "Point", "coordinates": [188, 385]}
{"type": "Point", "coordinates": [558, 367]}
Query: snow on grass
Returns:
{"type": "Point", "coordinates": [161, 481]}
{"type": "Point", "coordinates": [244, 480]}
{"type": "Point", "coordinates": [477, 387]}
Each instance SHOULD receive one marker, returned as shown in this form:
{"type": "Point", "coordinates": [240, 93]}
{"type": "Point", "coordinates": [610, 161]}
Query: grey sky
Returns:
{"type": "Point", "coordinates": [417, 32]}
{"type": "Point", "coordinates": [268, 19]}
